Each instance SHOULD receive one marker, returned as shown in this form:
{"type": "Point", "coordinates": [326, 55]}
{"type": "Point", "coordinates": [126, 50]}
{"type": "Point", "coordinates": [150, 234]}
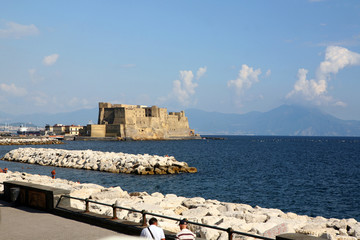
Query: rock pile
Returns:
{"type": "Point", "coordinates": [29, 141]}
{"type": "Point", "coordinates": [100, 161]}
{"type": "Point", "coordinates": [240, 217]}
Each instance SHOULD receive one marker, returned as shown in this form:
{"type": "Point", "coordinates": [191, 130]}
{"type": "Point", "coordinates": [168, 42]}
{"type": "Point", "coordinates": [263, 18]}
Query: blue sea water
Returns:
{"type": "Point", "coordinates": [315, 176]}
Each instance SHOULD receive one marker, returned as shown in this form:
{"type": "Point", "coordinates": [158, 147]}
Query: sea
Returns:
{"type": "Point", "coordinates": [314, 176]}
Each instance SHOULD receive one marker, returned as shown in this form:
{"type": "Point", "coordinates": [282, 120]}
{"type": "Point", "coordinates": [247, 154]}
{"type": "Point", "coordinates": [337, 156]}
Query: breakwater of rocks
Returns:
{"type": "Point", "coordinates": [29, 141]}
{"type": "Point", "coordinates": [141, 164]}
{"type": "Point", "coordinates": [240, 217]}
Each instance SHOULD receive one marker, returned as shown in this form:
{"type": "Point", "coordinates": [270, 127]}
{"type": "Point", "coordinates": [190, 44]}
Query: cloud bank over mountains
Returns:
{"type": "Point", "coordinates": [315, 90]}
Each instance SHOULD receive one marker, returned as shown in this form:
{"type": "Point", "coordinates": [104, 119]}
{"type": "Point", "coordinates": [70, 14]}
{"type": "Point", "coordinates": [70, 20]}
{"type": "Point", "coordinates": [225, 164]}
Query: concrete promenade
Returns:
{"type": "Point", "coordinates": [27, 224]}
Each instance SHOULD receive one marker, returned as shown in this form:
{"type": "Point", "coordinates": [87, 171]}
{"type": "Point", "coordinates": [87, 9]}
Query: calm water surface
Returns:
{"type": "Point", "coordinates": [315, 176]}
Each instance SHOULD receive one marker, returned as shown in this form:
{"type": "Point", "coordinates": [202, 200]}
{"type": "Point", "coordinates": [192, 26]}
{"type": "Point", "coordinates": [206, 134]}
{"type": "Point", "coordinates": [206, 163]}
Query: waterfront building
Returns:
{"type": "Point", "coordinates": [60, 129]}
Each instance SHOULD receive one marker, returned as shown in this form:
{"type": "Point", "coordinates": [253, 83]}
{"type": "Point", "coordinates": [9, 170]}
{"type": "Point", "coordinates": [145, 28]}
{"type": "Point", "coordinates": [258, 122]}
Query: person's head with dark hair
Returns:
{"type": "Point", "coordinates": [153, 221]}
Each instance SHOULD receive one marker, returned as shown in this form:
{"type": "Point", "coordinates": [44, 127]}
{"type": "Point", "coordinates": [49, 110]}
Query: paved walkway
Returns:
{"type": "Point", "coordinates": [23, 223]}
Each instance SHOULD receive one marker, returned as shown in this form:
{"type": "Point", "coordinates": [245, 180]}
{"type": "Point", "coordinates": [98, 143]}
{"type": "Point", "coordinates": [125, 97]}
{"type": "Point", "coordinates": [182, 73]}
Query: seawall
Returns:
{"type": "Point", "coordinates": [240, 217]}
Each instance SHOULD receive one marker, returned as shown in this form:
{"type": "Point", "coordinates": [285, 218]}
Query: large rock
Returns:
{"type": "Point", "coordinates": [109, 193]}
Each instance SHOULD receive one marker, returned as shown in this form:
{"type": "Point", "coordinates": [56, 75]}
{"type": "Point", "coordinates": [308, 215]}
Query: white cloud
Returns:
{"type": "Point", "coordinates": [336, 58]}
{"type": "Point", "coordinates": [340, 103]}
{"type": "Point", "coordinates": [246, 77]}
{"type": "Point", "coordinates": [50, 60]}
{"type": "Point", "coordinates": [200, 72]}
{"type": "Point", "coordinates": [309, 89]}
{"type": "Point", "coordinates": [184, 88]}
{"type": "Point", "coordinates": [315, 90]}
{"type": "Point", "coordinates": [15, 30]}
{"type": "Point", "coordinates": [13, 90]}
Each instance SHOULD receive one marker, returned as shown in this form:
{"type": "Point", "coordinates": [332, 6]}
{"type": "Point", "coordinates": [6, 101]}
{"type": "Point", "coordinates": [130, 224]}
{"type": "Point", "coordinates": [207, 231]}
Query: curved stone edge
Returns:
{"type": "Point", "coordinates": [240, 217]}
{"type": "Point", "coordinates": [144, 164]}
{"type": "Point", "coordinates": [28, 141]}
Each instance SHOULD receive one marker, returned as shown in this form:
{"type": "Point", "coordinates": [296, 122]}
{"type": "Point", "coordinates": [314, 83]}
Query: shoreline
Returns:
{"type": "Point", "coordinates": [240, 217]}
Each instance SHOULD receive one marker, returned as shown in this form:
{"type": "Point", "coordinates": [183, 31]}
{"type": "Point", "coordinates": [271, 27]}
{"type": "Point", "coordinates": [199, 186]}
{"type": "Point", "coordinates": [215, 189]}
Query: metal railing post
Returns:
{"type": "Point", "coordinates": [114, 211]}
{"type": "Point", "coordinates": [58, 202]}
{"type": "Point", "coordinates": [230, 232]}
{"type": "Point", "coordinates": [143, 212]}
{"type": "Point", "coordinates": [87, 205]}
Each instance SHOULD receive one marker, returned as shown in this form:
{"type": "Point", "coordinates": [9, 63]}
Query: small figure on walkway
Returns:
{"type": "Point", "coordinates": [5, 170]}
{"type": "Point", "coordinates": [153, 231]}
{"type": "Point", "coordinates": [1, 170]}
{"type": "Point", "coordinates": [184, 234]}
{"type": "Point", "coordinates": [53, 174]}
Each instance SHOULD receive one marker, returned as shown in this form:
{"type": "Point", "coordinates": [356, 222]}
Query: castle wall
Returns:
{"type": "Point", "coordinates": [114, 130]}
{"type": "Point", "coordinates": [95, 130]}
{"type": "Point", "coordinates": [141, 122]}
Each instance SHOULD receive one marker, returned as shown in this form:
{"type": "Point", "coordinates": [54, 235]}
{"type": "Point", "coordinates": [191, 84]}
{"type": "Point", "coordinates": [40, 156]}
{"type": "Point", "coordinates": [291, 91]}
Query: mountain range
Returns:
{"type": "Point", "coordinates": [286, 120]}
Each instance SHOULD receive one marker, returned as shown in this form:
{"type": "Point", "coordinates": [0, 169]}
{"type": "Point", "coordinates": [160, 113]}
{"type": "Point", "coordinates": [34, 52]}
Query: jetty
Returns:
{"type": "Point", "coordinates": [29, 141]}
{"type": "Point", "coordinates": [140, 164]}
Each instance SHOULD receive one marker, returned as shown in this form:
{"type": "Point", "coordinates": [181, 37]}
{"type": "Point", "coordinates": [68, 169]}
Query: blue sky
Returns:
{"type": "Point", "coordinates": [224, 56]}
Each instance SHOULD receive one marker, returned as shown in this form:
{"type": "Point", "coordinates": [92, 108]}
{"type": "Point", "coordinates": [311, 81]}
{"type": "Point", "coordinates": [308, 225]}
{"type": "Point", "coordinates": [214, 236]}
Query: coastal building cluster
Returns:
{"type": "Point", "coordinates": [240, 217]}
{"type": "Point", "coordinates": [60, 129]}
{"type": "Point", "coordinates": [141, 164]}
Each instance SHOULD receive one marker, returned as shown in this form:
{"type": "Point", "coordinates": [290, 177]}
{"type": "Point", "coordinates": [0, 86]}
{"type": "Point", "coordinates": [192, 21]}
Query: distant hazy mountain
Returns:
{"type": "Point", "coordinates": [285, 120]}
{"type": "Point", "coordinates": [80, 117]}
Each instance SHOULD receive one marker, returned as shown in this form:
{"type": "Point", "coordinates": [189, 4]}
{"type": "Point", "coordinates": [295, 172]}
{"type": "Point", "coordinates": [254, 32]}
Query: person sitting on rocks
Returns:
{"type": "Point", "coordinates": [153, 231]}
{"type": "Point", "coordinates": [184, 234]}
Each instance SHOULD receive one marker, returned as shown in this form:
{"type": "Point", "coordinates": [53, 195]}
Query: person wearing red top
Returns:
{"type": "Point", "coordinates": [53, 174]}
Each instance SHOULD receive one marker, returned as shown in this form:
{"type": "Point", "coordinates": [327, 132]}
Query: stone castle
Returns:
{"type": "Point", "coordinates": [139, 122]}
